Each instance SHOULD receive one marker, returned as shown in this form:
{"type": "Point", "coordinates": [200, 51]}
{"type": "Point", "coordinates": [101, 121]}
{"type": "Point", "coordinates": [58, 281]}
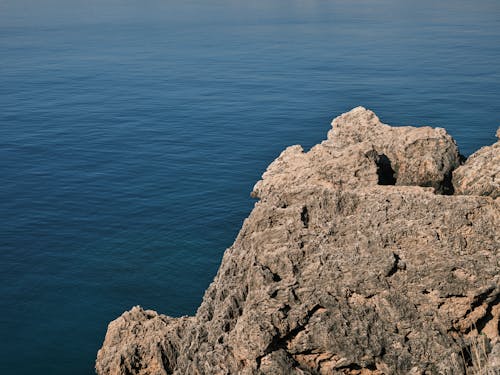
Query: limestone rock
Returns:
{"type": "Point", "coordinates": [336, 271]}
{"type": "Point", "coordinates": [322, 166]}
{"type": "Point", "coordinates": [141, 342]}
{"type": "Point", "coordinates": [422, 156]}
{"type": "Point", "coordinates": [480, 175]}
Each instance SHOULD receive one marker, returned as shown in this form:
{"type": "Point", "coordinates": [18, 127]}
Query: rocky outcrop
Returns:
{"type": "Point", "coordinates": [355, 260]}
{"type": "Point", "coordinates": [480, 175]}
{"type": "Point", "coordinates": [422, 156]}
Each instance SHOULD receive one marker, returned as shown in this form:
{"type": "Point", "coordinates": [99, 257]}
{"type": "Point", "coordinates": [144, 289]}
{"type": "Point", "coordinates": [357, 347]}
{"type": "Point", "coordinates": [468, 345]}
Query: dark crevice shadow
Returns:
{"type": "Point", "coordinates": [447, 185]}
{"type": "Point", "coordinates": [386, 175]}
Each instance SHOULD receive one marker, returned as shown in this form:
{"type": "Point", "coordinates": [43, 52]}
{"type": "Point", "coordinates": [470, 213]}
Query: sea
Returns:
{"type": "Point", "coordinates": [133, 131]}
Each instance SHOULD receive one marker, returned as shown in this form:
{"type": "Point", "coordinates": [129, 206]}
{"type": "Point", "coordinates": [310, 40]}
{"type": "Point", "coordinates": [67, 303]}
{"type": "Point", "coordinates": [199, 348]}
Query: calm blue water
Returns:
{"type": "Point", "coordinates": [131, 133]}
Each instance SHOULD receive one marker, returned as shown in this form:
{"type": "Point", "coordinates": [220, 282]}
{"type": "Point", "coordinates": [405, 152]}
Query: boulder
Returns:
{"type": "Point", "coordinates": [422, 156]}
{"type": "Point", "coordinates": [480, 175]}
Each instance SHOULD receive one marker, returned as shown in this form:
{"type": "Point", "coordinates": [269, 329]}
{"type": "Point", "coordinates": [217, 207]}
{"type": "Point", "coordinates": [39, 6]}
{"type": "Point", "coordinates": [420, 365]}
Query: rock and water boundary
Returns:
{"type": "Point", "coordinates": [375, 252]}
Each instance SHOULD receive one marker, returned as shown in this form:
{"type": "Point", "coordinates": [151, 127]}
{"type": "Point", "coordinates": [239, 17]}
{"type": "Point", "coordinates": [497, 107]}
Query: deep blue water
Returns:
{"type": "Point", "coordinates": [131, 133]}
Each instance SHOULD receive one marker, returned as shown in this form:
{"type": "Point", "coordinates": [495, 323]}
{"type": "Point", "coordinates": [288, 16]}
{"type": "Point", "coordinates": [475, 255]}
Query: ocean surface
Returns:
{"type": "Point", "coordinates": [132, 132]}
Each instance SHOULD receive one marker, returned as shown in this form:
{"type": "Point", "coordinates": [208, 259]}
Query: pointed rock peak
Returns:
{"type": "Point", "coordinates": [359, 113]}
{"type": "Point", "coordinates": [358, 118]}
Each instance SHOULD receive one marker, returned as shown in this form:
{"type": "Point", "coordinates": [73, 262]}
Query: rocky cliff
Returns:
{"type": "Point", "coordinates": [373, 253]}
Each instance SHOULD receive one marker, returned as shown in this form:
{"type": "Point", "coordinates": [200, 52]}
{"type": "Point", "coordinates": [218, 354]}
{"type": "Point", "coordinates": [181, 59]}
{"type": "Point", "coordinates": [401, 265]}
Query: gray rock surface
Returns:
{"type": "Point", "coordinates": [336, 271]}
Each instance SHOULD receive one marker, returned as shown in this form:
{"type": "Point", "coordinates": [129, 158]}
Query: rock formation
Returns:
{"type": "Point", "coordinates": [357, 259]}
{"type": "Point", "coordinates": [481, 173]}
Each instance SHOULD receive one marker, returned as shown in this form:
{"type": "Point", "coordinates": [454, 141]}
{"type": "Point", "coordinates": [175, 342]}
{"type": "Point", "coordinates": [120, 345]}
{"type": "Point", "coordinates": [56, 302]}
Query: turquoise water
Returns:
{"type": "Point", "coordinates": [131, 133]}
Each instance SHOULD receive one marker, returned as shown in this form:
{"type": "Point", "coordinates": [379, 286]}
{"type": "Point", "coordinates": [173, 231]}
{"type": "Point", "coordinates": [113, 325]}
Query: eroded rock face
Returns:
{"type": "Point", "coordinates": [421, 156]}
{"type": "Point", "coordinates": [480, 175]}
{"type": "Point", "coordinates": [336, 271]}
